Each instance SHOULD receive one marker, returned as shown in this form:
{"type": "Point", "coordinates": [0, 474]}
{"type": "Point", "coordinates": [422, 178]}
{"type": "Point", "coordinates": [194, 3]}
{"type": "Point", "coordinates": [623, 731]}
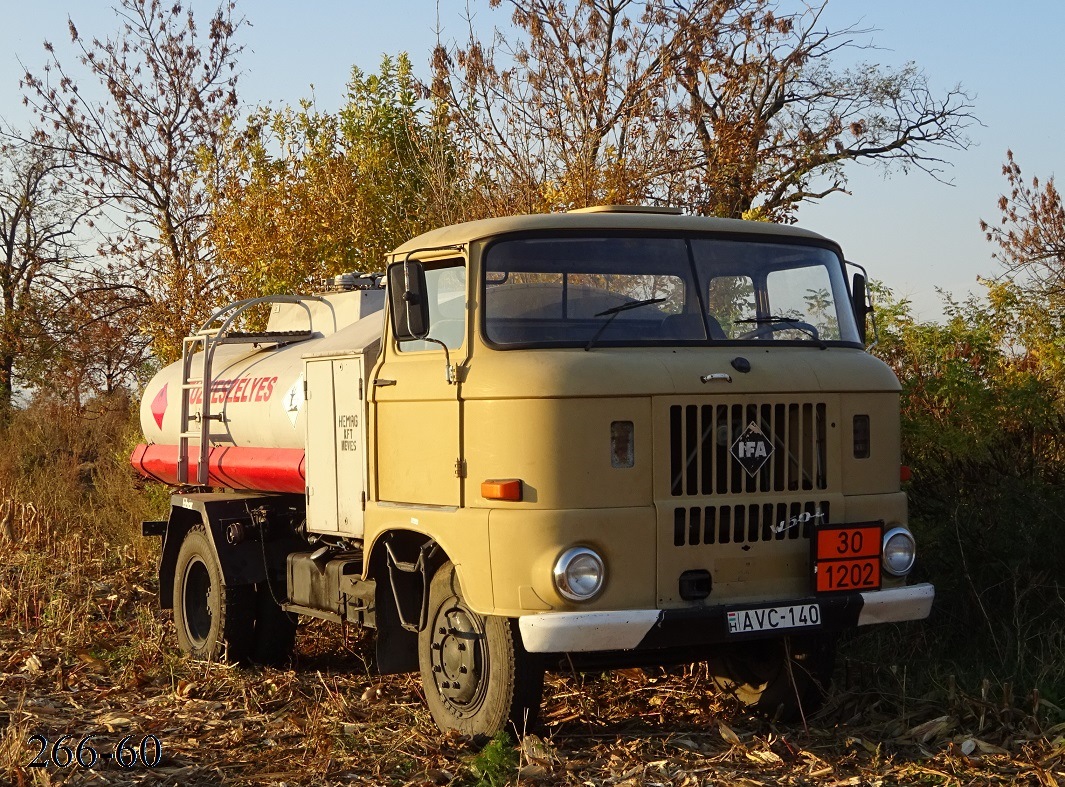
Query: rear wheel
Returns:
{"type": "Point", "coordinates": [242, 624]}
{"type": "Point", "coordinates": [477, 676]}
{"type": "Point", "coordinates": [784, 679]}
{"type": "Point", "coordinates": [212, 621]}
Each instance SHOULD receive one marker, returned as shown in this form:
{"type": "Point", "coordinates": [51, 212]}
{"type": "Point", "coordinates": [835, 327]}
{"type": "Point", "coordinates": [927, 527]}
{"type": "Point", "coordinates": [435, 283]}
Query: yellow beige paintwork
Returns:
{"type": "Point", "coordinates": [544, 416]}
{"type": "Point", "coordinates": [560, 449]}
{"type": "Point", "coordinates": [416, 429]}
{"type": "Point", "coordinates": [525, 545]}
{"type": "Point", "coordinates": [875, 473]}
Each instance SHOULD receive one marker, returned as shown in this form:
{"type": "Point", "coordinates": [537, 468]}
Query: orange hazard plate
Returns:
{"type": "Point", "coordinates": [847, 557]}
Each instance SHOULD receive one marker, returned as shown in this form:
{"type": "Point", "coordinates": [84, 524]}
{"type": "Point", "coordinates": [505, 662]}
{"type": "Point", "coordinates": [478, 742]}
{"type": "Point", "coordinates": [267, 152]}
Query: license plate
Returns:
{"type": "Point", "coordinates": [847, 557]}
{"type": "Point", "coordinates": [742, 621]}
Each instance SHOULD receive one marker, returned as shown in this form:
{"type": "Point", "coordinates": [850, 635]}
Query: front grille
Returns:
{"type": "Point", "coordinates": [701, 438]}
{"type": "Point", "coordinates": [745, 524]}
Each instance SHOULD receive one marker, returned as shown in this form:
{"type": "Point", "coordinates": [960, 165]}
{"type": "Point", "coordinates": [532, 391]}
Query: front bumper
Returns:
{"type": "Point", "coordinates": [647, 629]}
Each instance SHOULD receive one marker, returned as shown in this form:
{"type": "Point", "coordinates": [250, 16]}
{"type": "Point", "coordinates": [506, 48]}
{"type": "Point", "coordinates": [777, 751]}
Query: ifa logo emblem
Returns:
{"type": "Point", "coordinates": [752, 448]}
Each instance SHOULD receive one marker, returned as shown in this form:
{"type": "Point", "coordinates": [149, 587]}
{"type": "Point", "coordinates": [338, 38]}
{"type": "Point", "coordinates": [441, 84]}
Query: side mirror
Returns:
{"type": "Point", "coordinates": [860, 303]}
{"type": "Point", "coordinates": [407, 301]}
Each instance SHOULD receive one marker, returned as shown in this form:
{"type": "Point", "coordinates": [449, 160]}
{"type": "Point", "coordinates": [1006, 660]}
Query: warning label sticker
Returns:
{"type": "Point", "coordinates": [293, 401]}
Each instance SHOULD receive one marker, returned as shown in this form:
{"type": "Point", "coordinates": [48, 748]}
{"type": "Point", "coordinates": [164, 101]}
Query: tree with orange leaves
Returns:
{"type": "Point", "coordinates": [728, 107]}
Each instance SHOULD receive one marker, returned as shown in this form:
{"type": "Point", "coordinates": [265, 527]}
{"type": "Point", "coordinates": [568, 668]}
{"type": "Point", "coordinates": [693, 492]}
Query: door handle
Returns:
{"type": "Point", "coordinates": [724, 377]}
{"type": "Point", "coordinates": [379, 383]}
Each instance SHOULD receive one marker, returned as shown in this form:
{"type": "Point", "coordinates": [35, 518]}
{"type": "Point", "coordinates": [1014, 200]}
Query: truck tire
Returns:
{"type": "Point", "coordinates": [213, 621]}
{"type": "Point", "coordinates": [477, 676]}
{"type": "Point", "coordinates": [758, 674]}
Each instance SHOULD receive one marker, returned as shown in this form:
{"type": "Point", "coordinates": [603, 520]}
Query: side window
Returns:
{"type": "Point", "coordinates": [446, 287]}
{"type": "Point", "coordinates": [731, 298]}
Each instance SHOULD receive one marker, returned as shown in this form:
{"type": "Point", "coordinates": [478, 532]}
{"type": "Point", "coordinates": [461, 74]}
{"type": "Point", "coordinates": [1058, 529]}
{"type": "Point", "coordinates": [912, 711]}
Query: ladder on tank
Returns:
{"type": "Point", "coordinates": [216, 331]}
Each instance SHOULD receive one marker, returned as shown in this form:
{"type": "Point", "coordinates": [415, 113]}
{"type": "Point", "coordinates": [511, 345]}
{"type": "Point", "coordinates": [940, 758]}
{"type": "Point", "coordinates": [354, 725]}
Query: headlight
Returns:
{"type": "Point", "coordinates": [579, 573]}
{"type": "Point", "coordinates": [899, 551]}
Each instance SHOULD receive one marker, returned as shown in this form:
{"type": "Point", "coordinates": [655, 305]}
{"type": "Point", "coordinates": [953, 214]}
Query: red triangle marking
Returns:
{"type": "Point", "coordinates": [159, 406]}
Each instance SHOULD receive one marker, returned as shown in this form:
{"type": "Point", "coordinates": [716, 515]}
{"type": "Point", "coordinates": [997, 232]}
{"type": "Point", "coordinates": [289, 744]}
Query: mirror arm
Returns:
{"type": "Point", "coordinates": [868, 305]}
{"type": "Point", "coordinates": [450, 371]}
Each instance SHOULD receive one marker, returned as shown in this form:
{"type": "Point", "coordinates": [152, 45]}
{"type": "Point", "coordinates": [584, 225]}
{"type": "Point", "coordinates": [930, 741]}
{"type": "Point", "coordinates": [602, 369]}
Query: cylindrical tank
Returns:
{"type": "Point", "coordinates": [255, 395]}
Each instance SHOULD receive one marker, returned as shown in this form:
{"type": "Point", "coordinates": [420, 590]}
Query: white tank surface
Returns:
{"type": "Point", "coordinates": [255, 392]}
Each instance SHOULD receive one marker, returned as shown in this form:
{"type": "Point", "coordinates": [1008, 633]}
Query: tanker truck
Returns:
{"type": "Point", "coordinates": [617, 436]}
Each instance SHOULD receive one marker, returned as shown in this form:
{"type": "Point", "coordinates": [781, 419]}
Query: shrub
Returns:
{"type": "Point", "coordinates": [982, 418]}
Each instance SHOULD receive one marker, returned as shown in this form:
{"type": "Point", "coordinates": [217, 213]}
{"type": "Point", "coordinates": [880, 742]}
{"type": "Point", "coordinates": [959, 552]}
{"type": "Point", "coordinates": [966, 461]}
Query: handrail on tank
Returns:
{"type": "Point", "coordinates": [210, 338]}
{"type": "Point", "coordinates": [239, 307]}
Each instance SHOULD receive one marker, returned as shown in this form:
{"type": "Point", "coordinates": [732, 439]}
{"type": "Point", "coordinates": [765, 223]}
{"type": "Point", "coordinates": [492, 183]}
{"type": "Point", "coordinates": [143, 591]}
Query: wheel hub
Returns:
{"type": "Point", "coordinates": [458, 656]}
{"type": "Point", "coordinates": [197, 602]}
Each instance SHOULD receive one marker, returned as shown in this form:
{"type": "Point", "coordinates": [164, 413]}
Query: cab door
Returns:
{"type": "Point", "coordinates": [417, 407]}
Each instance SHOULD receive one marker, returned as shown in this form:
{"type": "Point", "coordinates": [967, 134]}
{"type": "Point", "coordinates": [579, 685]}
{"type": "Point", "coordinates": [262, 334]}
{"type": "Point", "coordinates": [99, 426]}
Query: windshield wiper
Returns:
{"type": "Point", "coordinates": [790, 322]}
{"type": "Point", "coordinates": [614, 311]}
{"type": "Point", "coordinates": [624, 307]}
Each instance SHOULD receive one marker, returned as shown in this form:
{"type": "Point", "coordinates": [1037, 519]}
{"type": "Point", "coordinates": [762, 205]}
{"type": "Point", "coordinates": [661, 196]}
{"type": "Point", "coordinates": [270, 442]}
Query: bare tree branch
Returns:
{"type": "Point", "coordinates": [730, 107]}
{"type": "Point", "coordinates": [170, 95]}
{"type": "Point", "coordinates": [1030, 233]}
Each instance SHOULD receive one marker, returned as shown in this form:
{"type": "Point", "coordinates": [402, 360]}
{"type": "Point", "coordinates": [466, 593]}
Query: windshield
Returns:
{"type": "Point", "coordinates": [622, 291]}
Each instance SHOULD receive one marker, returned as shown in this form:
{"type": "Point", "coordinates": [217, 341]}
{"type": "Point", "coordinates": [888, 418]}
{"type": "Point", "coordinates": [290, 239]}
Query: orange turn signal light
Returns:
{"type": "Point", "coordinates": [905, 474]}
{"type": "Point", "coordinates": [502, 489]}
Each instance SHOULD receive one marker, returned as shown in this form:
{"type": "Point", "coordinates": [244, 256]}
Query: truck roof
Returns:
{"type": "Point", "coordinates": [603, 217]}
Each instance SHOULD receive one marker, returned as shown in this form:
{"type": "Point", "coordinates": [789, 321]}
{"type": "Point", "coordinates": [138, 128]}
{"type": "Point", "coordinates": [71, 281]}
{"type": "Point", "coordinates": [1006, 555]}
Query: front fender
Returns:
{"type": "Point", "coordinates": [461, 534]}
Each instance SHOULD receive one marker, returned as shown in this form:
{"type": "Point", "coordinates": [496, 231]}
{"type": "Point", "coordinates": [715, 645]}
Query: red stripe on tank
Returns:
{"type": "Point", "coordinates": [235, 467]}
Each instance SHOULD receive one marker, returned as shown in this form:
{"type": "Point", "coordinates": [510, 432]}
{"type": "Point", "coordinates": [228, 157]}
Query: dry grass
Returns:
{"type": "Point", "coordinates": [84, 649]}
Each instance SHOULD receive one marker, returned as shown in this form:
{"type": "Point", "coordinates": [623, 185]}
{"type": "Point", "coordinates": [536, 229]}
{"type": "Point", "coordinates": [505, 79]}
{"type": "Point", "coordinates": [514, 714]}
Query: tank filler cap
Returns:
{"type": "Point", "coordinates": [345, 281]}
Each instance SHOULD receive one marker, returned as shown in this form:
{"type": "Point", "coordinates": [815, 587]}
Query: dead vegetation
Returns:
{"type": "Point", "coordinates": [84, 650]}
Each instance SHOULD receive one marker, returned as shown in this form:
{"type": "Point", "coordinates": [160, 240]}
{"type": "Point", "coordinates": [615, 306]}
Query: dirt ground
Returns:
{"type": "Point", "coordinates": [85, 651]}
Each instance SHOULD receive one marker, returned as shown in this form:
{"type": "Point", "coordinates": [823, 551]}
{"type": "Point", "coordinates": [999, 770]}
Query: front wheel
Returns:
{"type": "Point", "coordinates": [785, 679]}
{"type": "Point", "coordinates": [477, 676]}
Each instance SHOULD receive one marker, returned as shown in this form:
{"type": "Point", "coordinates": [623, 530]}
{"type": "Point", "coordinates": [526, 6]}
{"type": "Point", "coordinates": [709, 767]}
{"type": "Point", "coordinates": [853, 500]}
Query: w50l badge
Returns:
{"type": "Point", "coordinates": [752, 448]}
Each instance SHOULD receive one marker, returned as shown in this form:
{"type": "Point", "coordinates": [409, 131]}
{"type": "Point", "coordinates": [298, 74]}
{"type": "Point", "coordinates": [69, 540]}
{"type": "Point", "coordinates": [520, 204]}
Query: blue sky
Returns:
{"type": "Point", "coordinates": [911, 232]}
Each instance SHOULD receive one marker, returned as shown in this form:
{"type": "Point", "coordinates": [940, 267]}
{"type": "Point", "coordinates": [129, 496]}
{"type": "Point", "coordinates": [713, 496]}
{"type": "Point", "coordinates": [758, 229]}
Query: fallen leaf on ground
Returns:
{"type": "Point", "coordinates": [94, 663]}
{"type": "Point", "coordinates": [113, 719]}
{"type": "Point", "coordinates": [728, 734]}
{"type": "Point", "coordinates": [988, 748]}
{"type": "Point", "coordinates": [534, 772]}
